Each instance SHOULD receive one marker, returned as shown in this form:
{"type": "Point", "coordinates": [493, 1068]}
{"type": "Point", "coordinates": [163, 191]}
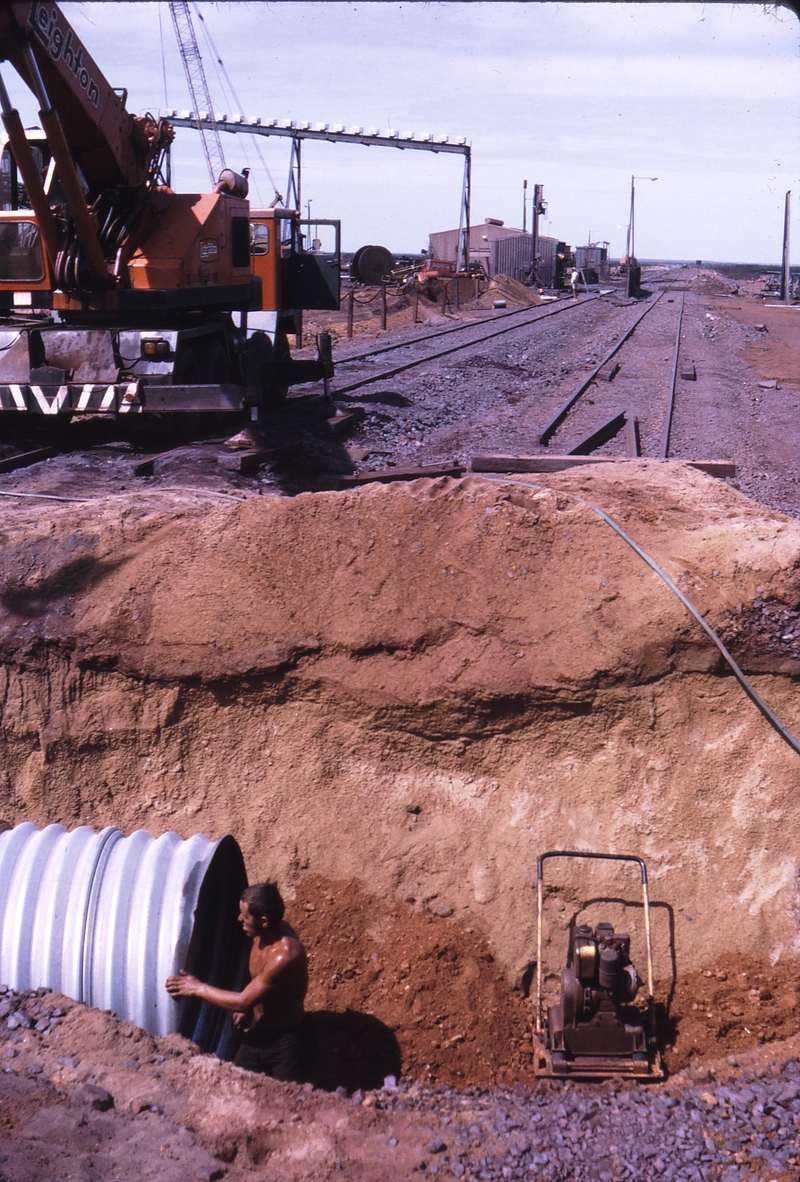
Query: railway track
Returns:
{"type": "Point", "coordinates": [480, 394]}
{"type": "Point", "coordinates": [471, 335]}
{"type": "Point", "coordinates": [633, 383]}
{"type": "Point", "coordinates": [626, 361]}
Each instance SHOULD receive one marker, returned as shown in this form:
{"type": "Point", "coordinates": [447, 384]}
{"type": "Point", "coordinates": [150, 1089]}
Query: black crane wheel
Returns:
{"type": "Point", "coordinates": [216, 366]}
{"type": "Point", "coordinates": [187, 371]}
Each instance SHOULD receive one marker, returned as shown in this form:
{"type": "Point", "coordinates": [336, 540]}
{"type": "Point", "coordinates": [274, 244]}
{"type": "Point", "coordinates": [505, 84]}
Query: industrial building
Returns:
{"type": "Point", "coordinates": [505, 250]}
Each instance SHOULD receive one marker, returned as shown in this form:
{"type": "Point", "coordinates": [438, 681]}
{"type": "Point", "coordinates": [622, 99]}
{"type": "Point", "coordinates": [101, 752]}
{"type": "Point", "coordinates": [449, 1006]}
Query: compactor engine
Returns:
{"type": "Point", "coordinates": [595, 1030]}
{"type": "Point", "coordinates": [594, 1017]}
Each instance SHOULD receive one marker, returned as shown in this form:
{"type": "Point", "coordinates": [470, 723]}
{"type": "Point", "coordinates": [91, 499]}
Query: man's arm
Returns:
{"type": "Point", "coordinates": [185, 985]}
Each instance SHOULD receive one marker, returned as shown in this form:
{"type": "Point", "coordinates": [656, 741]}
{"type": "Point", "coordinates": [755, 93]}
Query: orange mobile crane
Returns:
{"type": "Point", "coordinates": [119, 296]}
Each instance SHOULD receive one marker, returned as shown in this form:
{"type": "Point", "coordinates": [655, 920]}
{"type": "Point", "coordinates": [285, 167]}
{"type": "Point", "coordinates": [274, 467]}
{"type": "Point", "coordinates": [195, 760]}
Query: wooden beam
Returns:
{"type": "Point", "coordinates": [251, 459]}
{"type": "Point", "coordinates": [633, 443]}
{"type": "Point", "coordinates": [26, 458]}
{"type": "Point", "coordinates": [544, 463]}
{"type": "Point", "coordinates": [602, 435]}
{"type": "Point", "coordinates": [389, 476]}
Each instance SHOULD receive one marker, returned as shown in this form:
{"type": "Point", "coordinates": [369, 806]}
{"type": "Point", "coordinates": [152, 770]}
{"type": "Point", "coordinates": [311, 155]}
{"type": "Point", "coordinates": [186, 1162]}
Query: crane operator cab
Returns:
{"type": "Point", "coordinates": [119, 295]}
{"type": "Point", "coordinates": [298, 261]}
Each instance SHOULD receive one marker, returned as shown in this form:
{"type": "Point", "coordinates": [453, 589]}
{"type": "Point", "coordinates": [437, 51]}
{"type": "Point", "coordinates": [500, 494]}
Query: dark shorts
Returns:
{"type": "Point", "coordinates": [287, 1055]}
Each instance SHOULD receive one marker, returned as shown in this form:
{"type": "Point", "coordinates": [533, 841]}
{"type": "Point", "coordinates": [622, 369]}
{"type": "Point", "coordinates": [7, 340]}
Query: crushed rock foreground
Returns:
{"type": "Point", "coordinates": [85, 1095]}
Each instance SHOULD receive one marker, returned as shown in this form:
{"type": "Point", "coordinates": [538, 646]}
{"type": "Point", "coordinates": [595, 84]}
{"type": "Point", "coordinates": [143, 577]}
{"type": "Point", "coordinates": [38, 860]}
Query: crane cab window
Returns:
{"type": "Point", "coordinates": [259, 238]}
{"type": "Point", "coordinates": [20, 253]}
{"type": "Point", "coordinates": [240, 242]}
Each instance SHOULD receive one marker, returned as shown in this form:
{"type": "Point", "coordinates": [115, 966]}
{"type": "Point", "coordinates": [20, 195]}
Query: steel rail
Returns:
{"type": "Point", "coordinates": [390, 373]}
{"type": "Point", "coordinates": [558, 418]}
{"type": "Point", "coordinates": [748, 688]}
{"type": "Point", "coordinates": [464, 327]}
{"type": "Point", "coordinates": [137, 492]}
{"type": "Point", "coordinates": [663, 450]}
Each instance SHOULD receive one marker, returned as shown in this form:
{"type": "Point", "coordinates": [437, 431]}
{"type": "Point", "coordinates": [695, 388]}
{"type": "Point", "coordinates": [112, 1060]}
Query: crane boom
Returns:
{"type": "Point", "coordinates": [100, 132]}
{"type": "Point", "coordinates": [198, 86]}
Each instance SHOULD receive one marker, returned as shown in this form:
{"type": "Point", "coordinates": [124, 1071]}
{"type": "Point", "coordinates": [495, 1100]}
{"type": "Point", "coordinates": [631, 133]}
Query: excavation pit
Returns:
{"type": "Point", "coordinates": [400, 696]}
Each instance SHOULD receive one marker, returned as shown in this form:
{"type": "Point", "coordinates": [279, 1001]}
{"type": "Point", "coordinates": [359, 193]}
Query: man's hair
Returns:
{"type": "Point", "coordinates": [264, 899]}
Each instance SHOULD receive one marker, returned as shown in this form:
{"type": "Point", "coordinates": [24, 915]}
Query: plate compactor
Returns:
{"type": "Point", "coordinates": [595, 1031]}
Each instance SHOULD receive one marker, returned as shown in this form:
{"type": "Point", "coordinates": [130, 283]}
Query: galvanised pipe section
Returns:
{"type": "Point", "coordinates": [106, 919]}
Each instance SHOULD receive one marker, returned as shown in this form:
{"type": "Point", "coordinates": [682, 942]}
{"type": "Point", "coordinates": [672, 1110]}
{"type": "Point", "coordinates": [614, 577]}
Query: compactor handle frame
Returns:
{"type": "Point", "coordinates": [540, 908]}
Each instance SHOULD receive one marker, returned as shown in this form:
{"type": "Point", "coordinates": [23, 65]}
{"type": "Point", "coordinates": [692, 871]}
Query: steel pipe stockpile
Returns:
{"type": "Point", "coordinates": [105, 919]}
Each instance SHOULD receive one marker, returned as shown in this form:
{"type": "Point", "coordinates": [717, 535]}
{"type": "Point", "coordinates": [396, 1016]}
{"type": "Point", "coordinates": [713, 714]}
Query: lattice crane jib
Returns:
{"type": "Point", "coordinates": [198, 87]}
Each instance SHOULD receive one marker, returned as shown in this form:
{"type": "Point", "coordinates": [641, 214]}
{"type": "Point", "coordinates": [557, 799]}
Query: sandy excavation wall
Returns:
{"type": "Point", "coordinates": [422, 687]}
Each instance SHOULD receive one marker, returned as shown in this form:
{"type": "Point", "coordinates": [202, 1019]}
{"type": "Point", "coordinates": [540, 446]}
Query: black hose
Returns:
{"type": "Point", "coordinates": [754, 697]}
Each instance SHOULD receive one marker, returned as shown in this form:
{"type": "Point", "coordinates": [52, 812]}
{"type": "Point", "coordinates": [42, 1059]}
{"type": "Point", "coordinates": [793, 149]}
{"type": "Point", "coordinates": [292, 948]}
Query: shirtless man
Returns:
{"type": "Point", "coordinates": [277, 1037]}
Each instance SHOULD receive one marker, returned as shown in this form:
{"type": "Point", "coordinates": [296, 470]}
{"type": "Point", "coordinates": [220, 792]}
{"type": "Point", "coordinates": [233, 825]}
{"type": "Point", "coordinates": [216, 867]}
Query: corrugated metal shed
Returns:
{"type": "Point", "coordinates": [444, 243]}
{"type": "Point", "coordinates": [594, 258]}
{"type": "Point", "coordinates": [502, 250]}
{"type": "Point", "coordinates": [546, 266]}
{"type": "Point", "coordinates": [514, 257]}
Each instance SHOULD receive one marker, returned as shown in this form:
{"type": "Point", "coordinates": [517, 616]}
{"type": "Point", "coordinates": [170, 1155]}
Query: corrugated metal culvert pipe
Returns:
{"type": "Point", "coordinates": [106, 919]}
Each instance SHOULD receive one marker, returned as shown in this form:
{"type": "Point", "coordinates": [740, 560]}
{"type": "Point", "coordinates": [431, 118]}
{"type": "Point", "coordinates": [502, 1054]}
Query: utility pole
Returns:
{"type": "Point", "coordinates": [786, 271]}
{"type": "Point", "coordinates": [631, 285]}
{"type": "Point", "coordinates": [538, 208]}
{"type": "Point", "coordinates": [524, 205]}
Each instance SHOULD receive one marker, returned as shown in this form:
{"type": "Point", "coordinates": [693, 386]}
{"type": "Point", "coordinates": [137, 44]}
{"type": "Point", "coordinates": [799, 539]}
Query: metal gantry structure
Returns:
{"type": "Point", "coordinates": [198, 86]}
{"type": "Point", "coordinates": [336, 134]}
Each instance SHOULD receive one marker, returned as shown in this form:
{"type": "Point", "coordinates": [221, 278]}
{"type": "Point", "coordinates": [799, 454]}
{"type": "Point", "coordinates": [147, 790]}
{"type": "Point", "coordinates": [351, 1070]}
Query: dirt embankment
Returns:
{"type": "Point", "coordinates": [422, 688]}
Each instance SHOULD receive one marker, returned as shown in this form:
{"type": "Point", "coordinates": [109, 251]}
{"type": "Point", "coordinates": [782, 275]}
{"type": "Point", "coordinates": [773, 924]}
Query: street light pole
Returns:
{"type": "Point", "coordinates": [631, 243]}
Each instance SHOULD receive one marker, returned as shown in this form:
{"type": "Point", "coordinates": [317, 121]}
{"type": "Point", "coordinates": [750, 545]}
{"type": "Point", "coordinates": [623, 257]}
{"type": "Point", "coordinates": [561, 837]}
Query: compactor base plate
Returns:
{"type": "Point", "coordinates": [588, 1067]}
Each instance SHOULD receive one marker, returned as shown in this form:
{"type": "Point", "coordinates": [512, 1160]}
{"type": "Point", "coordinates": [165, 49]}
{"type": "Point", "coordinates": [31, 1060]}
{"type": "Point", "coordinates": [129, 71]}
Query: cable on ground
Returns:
{"type": "Point", "coordinates": [752, 694]}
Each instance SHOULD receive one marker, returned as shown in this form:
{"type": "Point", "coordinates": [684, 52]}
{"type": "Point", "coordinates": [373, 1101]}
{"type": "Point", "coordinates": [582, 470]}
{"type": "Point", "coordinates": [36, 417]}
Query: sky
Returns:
{"type": "Point", "coordinates": [577, 97]}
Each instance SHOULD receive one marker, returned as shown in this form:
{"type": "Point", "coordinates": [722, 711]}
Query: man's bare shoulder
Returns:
{"type": "Point", "coordinates": [281, 954]}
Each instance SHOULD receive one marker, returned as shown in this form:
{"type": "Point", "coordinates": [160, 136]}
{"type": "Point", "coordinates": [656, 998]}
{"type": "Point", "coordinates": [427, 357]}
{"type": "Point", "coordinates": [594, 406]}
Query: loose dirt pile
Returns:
{"type": "Point", "coordinates": [396, 698]}
{"type": "Point", "coordinates": [397, 992]}
{"type": "Point", "coordinates": [436, 301]}
{"type": "Point", "coordinates": [100, 1098]}
{"type": "Point", "coordinates": [502, 287]}
{"type": "Point", "coordinates": [368, 314]}
{"type": "Point", "coordinates": [773, 353]}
